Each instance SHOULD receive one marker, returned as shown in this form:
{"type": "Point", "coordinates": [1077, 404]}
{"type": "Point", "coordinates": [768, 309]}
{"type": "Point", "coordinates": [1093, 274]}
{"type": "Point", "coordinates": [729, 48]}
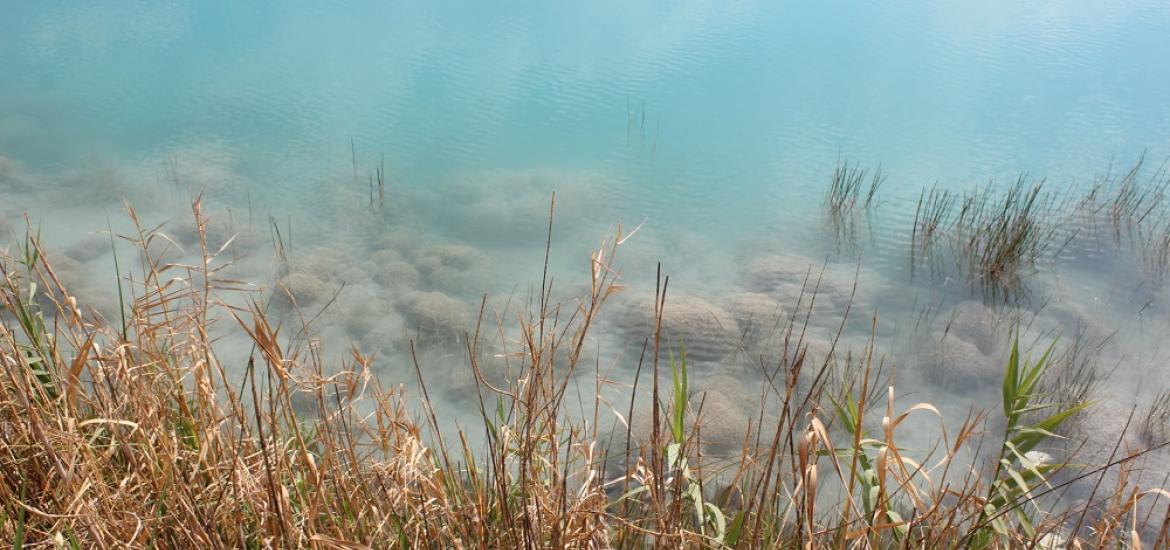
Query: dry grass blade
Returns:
{"type": "Point", "coordinates": [139, 434]}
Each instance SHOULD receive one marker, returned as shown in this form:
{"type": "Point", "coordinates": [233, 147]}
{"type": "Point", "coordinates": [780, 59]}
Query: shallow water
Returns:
{"type": "Point", "coordinates": [718, 125]}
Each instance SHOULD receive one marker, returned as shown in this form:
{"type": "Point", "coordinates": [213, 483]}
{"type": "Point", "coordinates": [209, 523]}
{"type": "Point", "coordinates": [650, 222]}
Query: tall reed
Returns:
{"type": "Point", "coordinates": [151, 437]}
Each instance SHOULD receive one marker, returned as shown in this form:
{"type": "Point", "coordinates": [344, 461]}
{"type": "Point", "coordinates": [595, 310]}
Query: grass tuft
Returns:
{"type": "Point", "coordinates": [143, 436]}
{"type": "Point", "coordinates": [851, 188]}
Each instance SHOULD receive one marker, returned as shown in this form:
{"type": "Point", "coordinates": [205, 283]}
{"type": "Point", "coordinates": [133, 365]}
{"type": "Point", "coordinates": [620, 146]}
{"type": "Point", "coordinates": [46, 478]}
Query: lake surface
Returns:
{"type": "Point", "coordinates": [716, 124]}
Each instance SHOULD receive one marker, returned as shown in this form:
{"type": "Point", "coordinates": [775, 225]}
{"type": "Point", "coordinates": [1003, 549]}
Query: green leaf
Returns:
{"type": "Point", "coordinates": [902, 529]}
{"type": "Point", "coordinates": [733, 534]}
{"type": "Point", "coordinates": [715, 515]}
{"type": "Point", "coordinates": [18, 540]}
{"type": "Point", "coordinates": [678, 375]}
{"type": "Point", "coordinates": [1011, 381]}
{"type": "Point", "coordinates": [1025, 490]}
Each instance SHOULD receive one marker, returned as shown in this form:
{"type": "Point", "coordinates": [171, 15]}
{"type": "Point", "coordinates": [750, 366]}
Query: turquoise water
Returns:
{"type": "Point", "coordinates": [746, 106]}
{"type": "Point", "coordinates": [717, 124]}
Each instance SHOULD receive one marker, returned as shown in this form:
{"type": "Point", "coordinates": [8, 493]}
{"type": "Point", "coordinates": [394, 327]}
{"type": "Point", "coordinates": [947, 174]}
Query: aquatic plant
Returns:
{"type": "Point", "coordinates": [850, 187]}
{"type": "Point", "coordinates": [1020, 470]}
{"type": "Point", "coordinates": [1128, 202]}
{"type": "Point", "coordinates": [281, 242]}
{"type": "Point", "coordinates": [1133, 207]}
{"type": "Point", "coordinates": [997, 235]}
{"type": "Point", "coordinates": [1074, 375]}
{"type": "Point", "coordinates": [152, 436]}
{"type": "Point", "coordinates": [931, 218]}
{"type": "Point", "coordinates": [1154, 424]}
{"type": "Point", "coordinates": [847, 185]}
{"type": "Point", "coordinates": [1000, 236]}
{"type": "Point", "coordinates": [1154, 247]}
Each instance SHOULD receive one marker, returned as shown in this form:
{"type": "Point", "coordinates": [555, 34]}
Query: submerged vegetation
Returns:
{"type": "Point", "coordinates": [851, 188]}
{"type": "Point", "coordinates": [994, 236]}
{"type": "Point", "coordinates": [136, 433]}
{"type": "Point", "coordinates": [848, 189]}
{"type": "Point", "coordinates": [999, 236]}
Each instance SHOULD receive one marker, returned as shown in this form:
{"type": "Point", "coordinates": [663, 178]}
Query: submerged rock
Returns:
{"type": "Point", "coordinates": [771, 273]}
{"type": "Point", "coordinates": [512, 206]}
{"type": "Point", "coordinates": [386, 335]}
{"type": "Point", "coordinates": [457, 376]}
{"type": "Point", "coordinates": [385, 255]}
{"type": "Point", "coordinates": [323, 262]}
{"type": "Point", "coordinates": [968, 352]}
{"type": "Point", "coordinates": [359, 307]}
{"type": "Point", "coordinates": [709, 332]}
{"type": "Point", "coordinates": [300, 290]}
{"type": "Point", "coordinates": [396, 275]}
{"type": "Point", "coordinates": [396, 240]}
{"type": "Point", "coordinates": [976, 323]}
{"type": "Point", "coordinates": [88, 248]}
{"type": "Point", "coordinates": [722, 427]}
{"type": "Point", "coordinates": [798, 281]}
{"type": "Point", "coordinates": [451, 267]}
{"type": "Point", "coordinates": [959, 365]}
{"type": "Point", "coordinates": [722, 421]}
{"type": "Point", "coordinates": [217, 232]}
{"type": "Point", "coordinates": [77, 283]}
{"type": "Point", "coordinates": [1100, 436]}
{"type": "Point", "coordinates": [439, 320]}
{"type": "Point", "coordinates": [70, 272]}
{"type": "Point", "coordinates": [760, 316]}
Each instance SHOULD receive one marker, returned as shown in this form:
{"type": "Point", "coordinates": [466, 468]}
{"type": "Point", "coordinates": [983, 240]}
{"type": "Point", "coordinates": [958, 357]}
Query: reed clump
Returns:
{"type": "Point", "coordinates": [1000, 236]}
{"type": "Point", "coordinates": [996, 237]}
{"type": "Point", "coordinates": [850, 189]}
{"type": "Point", "coordinates": [931, 220]}
{"type": "Point", "coordinates": [1127, 202]}
{"type": "Point", "coordinates": [136, 433]}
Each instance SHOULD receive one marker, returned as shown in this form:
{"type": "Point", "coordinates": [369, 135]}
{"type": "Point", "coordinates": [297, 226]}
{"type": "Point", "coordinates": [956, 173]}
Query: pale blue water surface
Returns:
{"type": "Point", "coordinates": [717, 123]}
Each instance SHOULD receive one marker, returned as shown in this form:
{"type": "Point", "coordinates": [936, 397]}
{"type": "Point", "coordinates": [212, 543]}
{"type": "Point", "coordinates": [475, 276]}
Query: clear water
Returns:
{"type": "Point", "coordinates": [717, 123]}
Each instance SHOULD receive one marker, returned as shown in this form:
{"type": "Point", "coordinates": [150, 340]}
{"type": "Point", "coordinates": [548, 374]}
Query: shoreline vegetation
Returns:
{"type": "Point", "coordinates": [131, 431]}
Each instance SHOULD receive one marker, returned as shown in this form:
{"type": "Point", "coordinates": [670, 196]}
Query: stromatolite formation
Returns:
{"type": "Point", "coordinates": [359, 307]}
{"type": "Point", "coordinates": [457, 377]}
{"type": "Point", "coordinates": [709, 332]}
{"type": "Point", "coordinates": [800, 283]}
{"type": "Point", "coordinates": [512, 206]}
{"type": "Point", "coordinates": [398, 240]}
{"type": "Point", "coordinates": [89, 247]}
{"type": "Point", "coordinates": [396, 275]}
{"type": "Point", "coordinates": [967, 353]}
{"type": "Point", "coordinates": [217, 232]}
{"type": "Point", "coordinates": [727, 409]}
{"type": "Point", "coordinates": [300, 289]}
{"type": "Point", "coordinates": [760, 316]}
{"type": "Point", "coordinates": [976, 323]}
{"type": "Point", "coordinates": [387, 335]}
{"type": "Point", "coordinates": [787, 277]}
{"type": "Point", "coordinates": [773, 273]}
{"type": "Point", "coordinates": [323, 262]}
{"type": "Point", "coordinates": [438, 319]}
{"type": "Point", "coordinates": [451, 267]}
{"type": "Point", "coordinates": [1100, 436]}
{"type": "Point", "coordinates": [77, 283]}
{"type": "Point", "coordinates": [722, 426]}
